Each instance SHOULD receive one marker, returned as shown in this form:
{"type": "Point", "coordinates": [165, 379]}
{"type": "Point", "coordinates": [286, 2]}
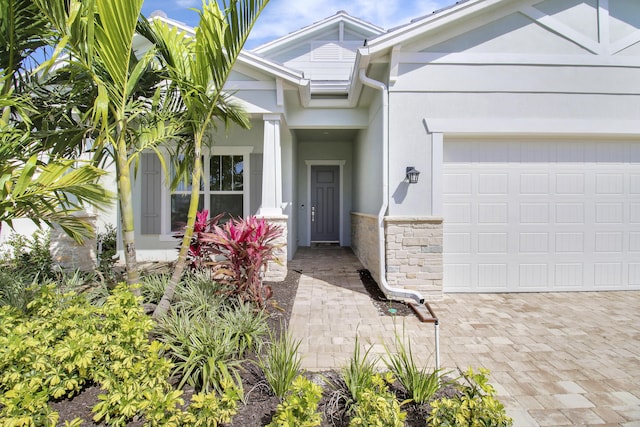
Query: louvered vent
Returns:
{"type": "Point", "coordinates": [332, 51]}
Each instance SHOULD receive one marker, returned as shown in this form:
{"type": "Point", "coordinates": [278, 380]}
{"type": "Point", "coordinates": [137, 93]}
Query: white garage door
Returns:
{"type": "Point", "coordinates": [531, 215]}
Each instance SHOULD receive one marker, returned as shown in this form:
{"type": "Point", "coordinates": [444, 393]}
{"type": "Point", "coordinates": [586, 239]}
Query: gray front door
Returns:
{"type": "Point", "coordinates": [325, 203]}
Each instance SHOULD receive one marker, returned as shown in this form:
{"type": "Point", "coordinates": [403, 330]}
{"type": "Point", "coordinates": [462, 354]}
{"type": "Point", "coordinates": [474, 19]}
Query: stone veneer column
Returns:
{"type": "Point", "coordinates": [71, 256]}
{"type": "Point", "coordinates": [276, 272]}
{"type": "Point", "coordinates": [365, 241]}
{"type": "Point", "coordinates": [414, 254]}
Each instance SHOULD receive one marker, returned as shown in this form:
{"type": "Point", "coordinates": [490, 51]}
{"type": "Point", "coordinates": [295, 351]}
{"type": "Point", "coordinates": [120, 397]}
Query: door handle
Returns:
{"type": "Point", "coordinates": [313, 214]}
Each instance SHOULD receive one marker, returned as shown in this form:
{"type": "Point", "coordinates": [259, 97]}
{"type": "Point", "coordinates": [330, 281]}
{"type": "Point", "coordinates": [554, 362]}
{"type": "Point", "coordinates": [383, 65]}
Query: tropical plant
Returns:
{"type": "Point", "coordinates": [376, 406]}
{"type": "Point", "coordinates": [248, 326]}
{"type": "Point", "coordinates": [107, 249]}
{"type": "Point", "coordinates": [420, 383]}
{"type": "Point", "coordinates": [281, 363]}
{"type": "Point", "coordinates": [201, 350]}
{"type": "Point", "coordinates": [200, 67]}
{"type": "Point", "coordinates": [300, 405]}
{"type": "Point", "coordinates": [474, 406]}
{"type": "Point", "coordinates": [246, 246]}
{"type": "Point", "coordinates": [358, 374]}
{"type": "Point", "coordinates": [128, 110]}
{"type": "Point", "coordinates": [35, 182]}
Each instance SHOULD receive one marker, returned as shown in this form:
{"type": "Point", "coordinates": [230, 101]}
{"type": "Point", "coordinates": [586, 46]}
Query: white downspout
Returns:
{"type": "Point", "coordinates": [388, 290]}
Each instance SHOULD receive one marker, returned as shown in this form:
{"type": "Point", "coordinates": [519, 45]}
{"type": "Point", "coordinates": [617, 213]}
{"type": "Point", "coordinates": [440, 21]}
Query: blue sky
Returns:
{"type": "Point", "coordinates": [284, 16]}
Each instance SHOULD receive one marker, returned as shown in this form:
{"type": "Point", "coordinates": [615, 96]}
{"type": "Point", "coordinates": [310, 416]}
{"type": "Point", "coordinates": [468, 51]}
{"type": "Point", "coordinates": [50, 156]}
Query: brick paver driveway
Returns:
{"type": "Point", "coordinates": [555, 358]}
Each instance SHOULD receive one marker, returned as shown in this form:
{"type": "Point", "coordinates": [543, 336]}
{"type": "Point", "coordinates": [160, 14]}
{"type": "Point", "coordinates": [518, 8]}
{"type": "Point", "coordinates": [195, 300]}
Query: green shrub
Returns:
{"type": "Point", "coordinates": [300, 405]}
{"type": "Point", "coordinates": [248, 326]}
{"type": "Point", "coordinates": [152, 287]}
{"type": "Point", "coordinates": [107, 247]}
{"type": "Point", "coordinates": [14, 290]}
{"type": "Point", "coordinates": [198, 294]}
{"type": "Point", "coordinates": [358, 374]}
{"type": "Point", "coordinates": [421, 384]}
{"type": "Point", "coordinates": [30, 257]}
{"type": "Point", "coordinates": [61, 343]}
{"type": "Point", "coordinates": [199, 347]}
{"type": "Point", "coordinates": [476, 406]}
{"type": "Point", "coordinates": [376, 406]}
{"type": "Point", "coordinates": [281, 363]}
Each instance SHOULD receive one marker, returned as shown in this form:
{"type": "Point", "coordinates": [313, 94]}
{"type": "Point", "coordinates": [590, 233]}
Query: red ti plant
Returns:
{"type": "Point", "coordinates": [197, 257]}
{"type": "Point", "coordinates": [246, 246]}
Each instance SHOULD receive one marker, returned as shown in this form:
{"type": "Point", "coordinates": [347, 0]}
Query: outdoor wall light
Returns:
{"type": "Point", "coordinates": [412, 175]}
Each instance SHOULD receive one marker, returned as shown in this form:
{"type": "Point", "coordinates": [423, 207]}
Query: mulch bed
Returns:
{"type": "Point", "coordinates": [259, 404]}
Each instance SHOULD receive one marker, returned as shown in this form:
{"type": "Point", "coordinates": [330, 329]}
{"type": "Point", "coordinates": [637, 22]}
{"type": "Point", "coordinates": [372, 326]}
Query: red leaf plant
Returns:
{"type": "Point", "coordinates": [197, 257]}
{"type": "Point", "coordinates": [242, 248]}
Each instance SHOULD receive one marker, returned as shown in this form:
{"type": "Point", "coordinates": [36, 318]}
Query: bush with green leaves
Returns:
{"type": "Point", "coordinates": [281, 363]}
{"type": "Point", "coordinates": [421, 384]}
{"type": "Point", "coordinates": [61, 343]}
{"type": "Point", "coordinates": [376, 406]}
{"type": "Point", "coordinates": [475, 406]}
{"type": "Point", "coordinates": [300, 405]}
{"type": "Point", "coordinates": [107, 248]}
{"type": "Point", "coordinates": [29, 257]}
{"type": "Point", "coordinates": [200, 349]}
{"type": "Point", "coordinates": [206, 332]}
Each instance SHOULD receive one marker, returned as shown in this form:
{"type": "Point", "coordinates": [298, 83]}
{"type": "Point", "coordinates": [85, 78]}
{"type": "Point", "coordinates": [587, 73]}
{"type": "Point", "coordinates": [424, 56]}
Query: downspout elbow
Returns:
{"type": "Point", "coordinates": [388, 290]}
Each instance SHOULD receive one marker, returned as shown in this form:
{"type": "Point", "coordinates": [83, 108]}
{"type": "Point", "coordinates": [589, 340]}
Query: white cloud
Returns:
{"type": "Point", "coordinates": [282, 17]}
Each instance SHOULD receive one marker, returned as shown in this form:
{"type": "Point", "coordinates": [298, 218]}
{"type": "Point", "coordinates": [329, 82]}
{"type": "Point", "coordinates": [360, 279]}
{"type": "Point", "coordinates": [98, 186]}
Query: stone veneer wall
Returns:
{"type": "Point", "coordinates": [365, 241]}
{"type": "Point", "coordinates": [414, 254]}
{"type": "Point", "coordinates": [69, 255]}
{"type": "Point", "coordinates": [277, 272]}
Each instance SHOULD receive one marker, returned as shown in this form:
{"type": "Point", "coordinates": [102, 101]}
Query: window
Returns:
{"type": "Point", "coordinates": [223, 189]}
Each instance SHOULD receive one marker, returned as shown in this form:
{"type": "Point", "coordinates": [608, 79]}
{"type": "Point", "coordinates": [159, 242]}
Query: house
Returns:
{"type": "Point", "coordinates": [522, 117]}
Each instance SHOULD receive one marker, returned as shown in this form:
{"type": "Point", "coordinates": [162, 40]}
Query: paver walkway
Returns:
{"type": "Point", "coordinates": [555, 358]}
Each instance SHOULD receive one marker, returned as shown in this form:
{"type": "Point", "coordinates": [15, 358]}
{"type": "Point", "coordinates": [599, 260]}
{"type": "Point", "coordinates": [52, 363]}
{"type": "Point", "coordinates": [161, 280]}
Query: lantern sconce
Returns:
{"type": "Point", "coordinates": [412, 175]}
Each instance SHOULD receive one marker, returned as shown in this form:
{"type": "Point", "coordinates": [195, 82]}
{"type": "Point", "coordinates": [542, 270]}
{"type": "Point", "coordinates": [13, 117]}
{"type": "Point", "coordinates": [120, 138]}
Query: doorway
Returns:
{"type": "Point", "coordinates": [325, 203]}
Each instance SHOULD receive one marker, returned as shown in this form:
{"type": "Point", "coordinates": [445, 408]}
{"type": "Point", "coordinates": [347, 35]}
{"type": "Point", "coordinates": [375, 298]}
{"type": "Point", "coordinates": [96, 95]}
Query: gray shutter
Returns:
{"type": "Point", "coordinates": [151, 180]}
{"type": "Point", "coordinates": [256, 183]}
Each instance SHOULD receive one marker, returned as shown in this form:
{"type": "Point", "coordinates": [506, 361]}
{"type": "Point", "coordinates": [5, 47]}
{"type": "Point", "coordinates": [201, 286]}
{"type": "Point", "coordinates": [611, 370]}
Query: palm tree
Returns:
{"type": "Point", "coordinates": [96, 38]}
{"type": "Point", "coordinates": [200, 67]}
{"type": "Point", "coordinates": [35, 183]}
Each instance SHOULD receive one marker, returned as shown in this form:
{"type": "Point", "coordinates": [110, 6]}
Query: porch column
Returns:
{"type": "Point", "coordinates": [271, 168]}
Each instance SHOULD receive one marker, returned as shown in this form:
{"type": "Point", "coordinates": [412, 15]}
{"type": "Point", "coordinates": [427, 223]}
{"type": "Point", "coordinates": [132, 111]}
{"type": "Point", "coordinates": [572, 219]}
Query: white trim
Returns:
{"type": "Point", "coordinates": [437, 164]}
{"type": "Point", "coordinates": [561, 29]}
{"type": "Point", "coordinates": [250, 85]}
{"type": "Point", "coordinates": [603, 25]}
{"type": "Point", "coordinates": [517, 59]}
{"type": "Point", "coordinates": [309, 164]}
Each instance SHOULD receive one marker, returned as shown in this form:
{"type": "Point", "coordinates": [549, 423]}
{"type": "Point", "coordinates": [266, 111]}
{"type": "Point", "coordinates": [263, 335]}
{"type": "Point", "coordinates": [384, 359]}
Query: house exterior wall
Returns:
{"type": "Point", "coordinates": [414, 254]}
{"type": "Point", "coordinates": [365, 241]}
{"type": "Point", "coordinates": [367, 158]}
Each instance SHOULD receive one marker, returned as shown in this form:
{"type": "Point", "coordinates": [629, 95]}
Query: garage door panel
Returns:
{"type": "Point", "coordinates": [634, 274]}
{"type": "Point", "coordinates": [569, 275]}
{"type": "Point", "coordinates": [534, 183]}
{"type": "Point", "coordinates": [553, 216]}
{"type": "Point", "coordinates": [570, 242]}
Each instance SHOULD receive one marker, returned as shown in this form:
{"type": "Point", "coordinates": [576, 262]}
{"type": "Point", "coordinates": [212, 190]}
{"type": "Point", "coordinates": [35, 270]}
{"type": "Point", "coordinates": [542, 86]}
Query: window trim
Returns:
{"type": "Point", "coordinates": [165, 215]}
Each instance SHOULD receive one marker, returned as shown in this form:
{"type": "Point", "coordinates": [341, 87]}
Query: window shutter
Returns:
{"type": "Point", "coordinates": [151, 180]}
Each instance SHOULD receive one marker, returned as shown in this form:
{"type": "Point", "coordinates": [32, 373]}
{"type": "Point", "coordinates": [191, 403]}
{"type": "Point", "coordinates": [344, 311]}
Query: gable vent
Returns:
{"type": "Point", "coordinates": [332, 51]}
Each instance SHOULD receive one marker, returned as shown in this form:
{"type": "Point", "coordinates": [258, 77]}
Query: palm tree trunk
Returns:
{"type": "Point", "coordinates": [127, 216]}
{"type": "Point", "coordinates": [181, 263]}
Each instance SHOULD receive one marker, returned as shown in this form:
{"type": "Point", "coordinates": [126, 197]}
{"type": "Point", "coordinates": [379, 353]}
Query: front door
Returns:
{"type": "Point", "coordinates": [325, 203]}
